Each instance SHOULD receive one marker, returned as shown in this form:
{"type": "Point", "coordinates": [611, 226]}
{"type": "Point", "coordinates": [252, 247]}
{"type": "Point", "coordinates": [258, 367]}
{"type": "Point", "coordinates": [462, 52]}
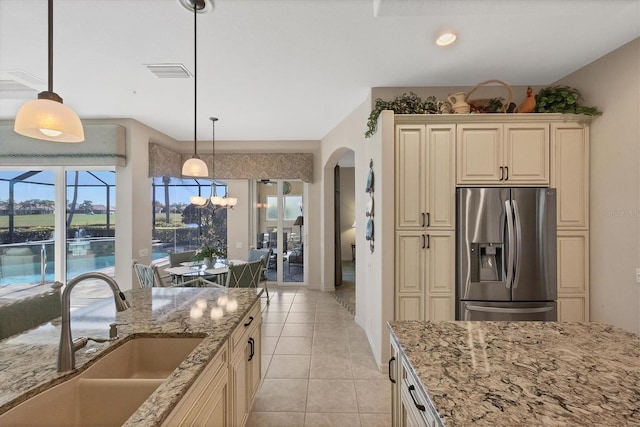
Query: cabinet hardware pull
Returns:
{"type": "Point", "coordinates": [428, 241]}
{"type": "Point", "coordinates": [390, 361]}
{"type": "Point", "coordinates": [424, 242]}
{"type": "Point", "coordinates": [428, 219]}
{"type": "Point", "coordinates": [419, 406]}
{"type": "Point", "coordinates": [501, 173]}
{"type": "Point", "coordinates": [506, 168]}
{"type": "Point", "coordinates": [253, 348]}
{"type": "Point", "coordinates": [249, 322]}
{"type": "Point", "coordinates": [423, 219]}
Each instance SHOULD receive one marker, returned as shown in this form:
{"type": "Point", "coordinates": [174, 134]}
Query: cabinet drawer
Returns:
{"type": "Point", "coordinates": [240, 335]}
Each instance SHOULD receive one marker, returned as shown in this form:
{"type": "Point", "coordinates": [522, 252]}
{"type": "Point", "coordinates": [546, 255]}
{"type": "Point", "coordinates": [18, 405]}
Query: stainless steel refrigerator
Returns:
{"type": "Point", "coordinates": [506, 254]}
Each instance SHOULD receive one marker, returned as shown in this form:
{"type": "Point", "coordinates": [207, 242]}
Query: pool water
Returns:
{"type": "Point", "coordinates": [75, 266]}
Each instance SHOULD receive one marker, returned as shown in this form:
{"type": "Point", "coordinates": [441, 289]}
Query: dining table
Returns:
{"type": "Point", "coordinates": [190, 270]}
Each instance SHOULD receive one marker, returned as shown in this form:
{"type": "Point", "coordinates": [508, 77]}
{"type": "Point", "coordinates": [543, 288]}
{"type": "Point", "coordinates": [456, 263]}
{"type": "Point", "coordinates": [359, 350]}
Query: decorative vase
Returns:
{"type": "Point", "coordinates": [207, 262]}
{"type": "Point", "coordinates": [458, 103]}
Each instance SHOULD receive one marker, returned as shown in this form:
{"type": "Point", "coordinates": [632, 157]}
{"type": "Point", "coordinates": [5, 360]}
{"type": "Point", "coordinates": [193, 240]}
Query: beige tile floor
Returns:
{"type": "Point", "coordinates": [317, 366]}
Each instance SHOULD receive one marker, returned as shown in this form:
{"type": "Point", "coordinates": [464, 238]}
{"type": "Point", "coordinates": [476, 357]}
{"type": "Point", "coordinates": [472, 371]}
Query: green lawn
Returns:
{"type": "Point", "coordinates": [79, 220]}
{"type": "Point", "coordinates": [46, 220]}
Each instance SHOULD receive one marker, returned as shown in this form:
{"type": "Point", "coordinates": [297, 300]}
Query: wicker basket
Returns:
{"type": "Point", "coordinates": [478, 103]}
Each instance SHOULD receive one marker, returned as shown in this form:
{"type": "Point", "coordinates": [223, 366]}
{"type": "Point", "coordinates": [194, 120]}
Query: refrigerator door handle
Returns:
{"type": "Point", "coordinates": [518, 242]}
{"type": "Point", "coordinates": [486, 309]}
{"type": "Point", "coordinates": [510, 242]}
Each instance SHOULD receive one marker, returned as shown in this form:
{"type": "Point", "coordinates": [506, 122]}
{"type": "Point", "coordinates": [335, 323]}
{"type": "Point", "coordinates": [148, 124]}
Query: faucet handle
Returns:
{"type": "Point", "coordinates": [113, 330]}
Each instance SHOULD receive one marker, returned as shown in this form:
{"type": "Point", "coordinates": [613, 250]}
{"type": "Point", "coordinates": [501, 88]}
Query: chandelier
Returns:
{"type": "Point", "coordinates": [214, 200]}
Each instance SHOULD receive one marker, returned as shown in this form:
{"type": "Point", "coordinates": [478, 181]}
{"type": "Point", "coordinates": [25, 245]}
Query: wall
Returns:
{"type": "Point", "coordinates": [374, 272]}
{"type": "Point", "coordinates": [347, 135]}
{"type": "Point", "coordinates": [612, 83]}
{"type": "Point", "coordinates": [347, 211]}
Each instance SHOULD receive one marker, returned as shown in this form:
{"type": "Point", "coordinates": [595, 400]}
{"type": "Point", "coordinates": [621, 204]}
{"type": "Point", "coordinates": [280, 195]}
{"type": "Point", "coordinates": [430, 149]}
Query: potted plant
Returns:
{"type": "Point", "coordinates": [562, 99]}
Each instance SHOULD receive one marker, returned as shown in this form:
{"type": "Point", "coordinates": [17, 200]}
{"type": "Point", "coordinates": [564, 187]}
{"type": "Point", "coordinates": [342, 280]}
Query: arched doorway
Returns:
{"type": "Point", "coordinates": [340, 225]}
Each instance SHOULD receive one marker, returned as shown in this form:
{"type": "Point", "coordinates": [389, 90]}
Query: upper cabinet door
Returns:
{"type": "Point", "coordinates": [570, 174]}
{"type": "Point", "coordinates": [411, 158]}
{"type": "Point", "coordinates": [479, 154]}
{"type": "Point", "coordinates": [526, 153]}
{"type": "Point", "coordinates": [503, 154]}
{"type": "Point", "coordinates": [441, 182]}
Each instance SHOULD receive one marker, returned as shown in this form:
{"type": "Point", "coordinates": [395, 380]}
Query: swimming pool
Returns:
{"type": "Point", "coordinates": [75, 265]}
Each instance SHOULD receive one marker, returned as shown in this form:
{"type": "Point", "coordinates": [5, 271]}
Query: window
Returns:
{"type": "Point", "coordinates": [179, 225]}
{"type": "Point", "coordinates": [28, 207]}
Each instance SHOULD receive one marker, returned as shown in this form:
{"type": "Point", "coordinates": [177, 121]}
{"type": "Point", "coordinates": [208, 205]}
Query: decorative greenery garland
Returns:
{"type": "Point", "coordinates": [552, 99]}
{"type": "Point", "coordinates": [403, 104]}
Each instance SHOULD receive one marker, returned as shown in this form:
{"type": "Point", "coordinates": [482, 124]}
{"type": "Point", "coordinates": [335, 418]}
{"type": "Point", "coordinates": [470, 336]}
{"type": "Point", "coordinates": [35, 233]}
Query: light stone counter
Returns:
{"type": "Point", "coordinates": [28, 361]}
{"type": "Point", "coordinates": [525, 373]}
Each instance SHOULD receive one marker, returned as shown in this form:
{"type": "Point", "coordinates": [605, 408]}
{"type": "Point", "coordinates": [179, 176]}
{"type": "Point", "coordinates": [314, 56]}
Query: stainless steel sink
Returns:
{"type": "Point", "coordinates": [109, 391]}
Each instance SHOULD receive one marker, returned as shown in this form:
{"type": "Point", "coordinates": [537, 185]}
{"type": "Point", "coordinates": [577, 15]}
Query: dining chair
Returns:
{"type": "Point", "coordinates": [175, 258]}
{"type": "Point", "coordinates": [264, 255]}
{"type": "Point", "coordinates": [246, 275]}
{"type": "Point", "coordinates": [148, 275]}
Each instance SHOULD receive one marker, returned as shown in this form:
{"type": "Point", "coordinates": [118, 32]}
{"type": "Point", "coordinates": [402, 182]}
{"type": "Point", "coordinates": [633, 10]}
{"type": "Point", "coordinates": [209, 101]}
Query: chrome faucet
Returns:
{"type": "Point", "coordinates": [68, 347]}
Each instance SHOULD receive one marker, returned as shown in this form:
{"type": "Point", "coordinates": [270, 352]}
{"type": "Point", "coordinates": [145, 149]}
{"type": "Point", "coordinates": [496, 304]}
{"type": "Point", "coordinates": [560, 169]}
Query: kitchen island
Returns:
{"type": "Point", "coordinates": [28, 360]}
{"type": "Point", "coordinates": [515, 373]}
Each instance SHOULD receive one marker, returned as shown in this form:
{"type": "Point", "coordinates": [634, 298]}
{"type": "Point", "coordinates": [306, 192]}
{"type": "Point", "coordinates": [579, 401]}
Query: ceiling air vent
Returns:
{"type": "Point", "coordinates": [169, 71]}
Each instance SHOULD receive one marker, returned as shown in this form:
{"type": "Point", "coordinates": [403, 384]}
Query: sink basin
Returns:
{"type": "Point", "coordinates": [109, 391]}
{"type": "Point", "coordinates": [143, 358]}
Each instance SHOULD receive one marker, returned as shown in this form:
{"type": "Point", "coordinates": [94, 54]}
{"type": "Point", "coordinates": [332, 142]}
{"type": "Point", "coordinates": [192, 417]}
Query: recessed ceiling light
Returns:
{"type": "Point", "coordinates": [446, 39]}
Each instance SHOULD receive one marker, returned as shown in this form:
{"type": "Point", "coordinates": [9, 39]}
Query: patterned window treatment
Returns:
{"type": "Point", "coordinates": [166, 162]}
{"type": "Point", "coordinates": [104, 145]}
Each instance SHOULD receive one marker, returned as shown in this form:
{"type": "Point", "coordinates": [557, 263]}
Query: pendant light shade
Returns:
{"type": "Point", "coordinates": [195, 167]}
{"type": "Point", "coordinates": [47, 118]}
{"type": "Point", "coordinates": [50, 121]}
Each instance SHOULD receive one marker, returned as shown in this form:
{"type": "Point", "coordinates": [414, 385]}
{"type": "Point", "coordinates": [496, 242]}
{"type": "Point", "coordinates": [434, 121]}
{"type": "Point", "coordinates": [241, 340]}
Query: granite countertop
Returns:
{"type": "Point", "coordinates": [525, 373]}
{"type": "Point", "coordinates": [28, 360]}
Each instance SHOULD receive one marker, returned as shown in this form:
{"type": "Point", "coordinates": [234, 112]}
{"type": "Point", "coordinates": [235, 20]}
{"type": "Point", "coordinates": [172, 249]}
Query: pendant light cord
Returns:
{"type": "Point", "coordinates": [50, 22]}
{"type": "Point", "coordinates": [195, 78]}
{"type": "Point", "coordinates": [213, 151]}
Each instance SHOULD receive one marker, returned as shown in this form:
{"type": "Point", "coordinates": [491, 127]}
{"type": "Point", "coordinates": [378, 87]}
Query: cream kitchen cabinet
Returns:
{"type": "Point", "coordinates": [570, 177]}
{"type": "Point", "coordinates": [542, 150]}
{"type": "Point", "coordinates": [570, 174]}
{"type": "Point", "coordinates": [245, 366]}
{"type": "Point", "coordinates": [425, 275]}
{"type": "Point", "coordinates": [573, 276]}
{"type": "Point", "coordinates": [503, 154]}
{"type": "Point", "coordinates": [425, 176]}
{"type": "Point", "coordinates": [207, 401]}
{"type": "Point", "coordinates": [222, 395]}
{"type": "Point", "coordinates": [394, 375]}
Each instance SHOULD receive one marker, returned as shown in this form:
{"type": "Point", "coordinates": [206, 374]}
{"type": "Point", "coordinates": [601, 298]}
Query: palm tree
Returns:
{"type": "Point", "coordinates": [72, 205]}
{"type": "Point", "coordinates": [166, 180]}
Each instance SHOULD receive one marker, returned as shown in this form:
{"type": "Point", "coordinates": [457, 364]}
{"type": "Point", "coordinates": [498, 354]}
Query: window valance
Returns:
{"type": "Point", "coordinates": [166, 162]}
{"type": "Point", "coordinates": [104, 145]}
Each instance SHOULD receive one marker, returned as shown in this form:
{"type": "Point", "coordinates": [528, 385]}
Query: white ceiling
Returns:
{"type": "Point", "coordinates": [291, 69]}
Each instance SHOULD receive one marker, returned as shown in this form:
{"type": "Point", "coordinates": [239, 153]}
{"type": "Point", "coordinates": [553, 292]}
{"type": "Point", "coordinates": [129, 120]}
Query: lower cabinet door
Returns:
{"type": "Point", "coordinates": [239, 406]}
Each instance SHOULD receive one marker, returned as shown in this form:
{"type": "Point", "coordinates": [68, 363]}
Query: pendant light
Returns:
{"type": "Point", "coordinates": [214, 200]}
{"type": "Point", "coordinates": [47, 118]}
{"type": "Point", "coordinates": [195, 167]}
